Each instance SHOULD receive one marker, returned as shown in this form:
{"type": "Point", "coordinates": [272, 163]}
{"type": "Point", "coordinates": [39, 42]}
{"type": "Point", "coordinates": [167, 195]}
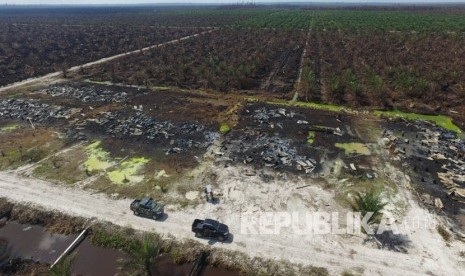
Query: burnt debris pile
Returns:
{"type": "Point", "coordinates": [86, 94]}
{"type": "Point", "coordinates": [113, 114]}
{"type": "Point", "coordinates": [264, 115]}
{"type": "Point", "coordinates": [273, 137]}
{"type": "Point", "coordinates": [271, 151]}
{"type": "Point", "coordinates": [436, 155]}
{"type": "Point", "coordinates": [177, 137]}
{"type": "Point", "coordinates": [34, 110]}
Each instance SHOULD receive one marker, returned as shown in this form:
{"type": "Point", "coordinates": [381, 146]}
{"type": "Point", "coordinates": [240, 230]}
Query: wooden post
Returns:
{"type": "Point", "coordinates": [32, 124]}
{"type": "Point", "coordinates": [70, 247]}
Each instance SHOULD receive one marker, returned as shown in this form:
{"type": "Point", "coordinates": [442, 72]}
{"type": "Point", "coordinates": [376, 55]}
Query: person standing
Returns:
{"type": "Point", "coordinates": [209, 193]}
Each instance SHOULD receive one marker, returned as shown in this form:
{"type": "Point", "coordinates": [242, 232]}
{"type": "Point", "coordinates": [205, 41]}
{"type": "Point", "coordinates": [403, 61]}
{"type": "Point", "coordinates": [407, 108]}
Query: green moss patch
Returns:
{"type": "Point", "coordinates": [224, 128]}
{"type": "Point", "coordinates": [98, 159]}
{"type": "Point", "coordinates": [129, 171]}
{"type": "Point", "coordinates": [320, 106]}
{"type": "Point", "coordinates": [311, 137]}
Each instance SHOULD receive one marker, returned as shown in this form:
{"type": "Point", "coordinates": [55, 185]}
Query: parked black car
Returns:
{"type": "Point", "coordinates": [210, 228]}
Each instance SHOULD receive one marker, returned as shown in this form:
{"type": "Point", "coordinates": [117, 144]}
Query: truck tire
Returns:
{"type": "Point", "coordinates": [136, 213]}
{"type": "Point", "coordinates": [221, 238]}
{"type": "Point", "coordinates": [155, 217]}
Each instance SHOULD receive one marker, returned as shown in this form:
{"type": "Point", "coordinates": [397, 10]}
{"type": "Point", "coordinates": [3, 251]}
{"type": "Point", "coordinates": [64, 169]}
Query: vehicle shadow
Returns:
{"type": "Point", "coordinates": [214, 201]}
{"type": "Point", "coordinates": [214, 241]}
{"type": "Point", "coordinates": [163, 218]}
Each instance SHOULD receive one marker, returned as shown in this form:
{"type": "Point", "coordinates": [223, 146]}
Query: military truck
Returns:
{"type": "Point", "coordinates": [210, 228]}
{"type": "Point", "coordinates": [147, 207]}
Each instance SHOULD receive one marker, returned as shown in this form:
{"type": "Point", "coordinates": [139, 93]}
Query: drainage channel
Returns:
{"type": "Point", "coordinates": [32, 242]}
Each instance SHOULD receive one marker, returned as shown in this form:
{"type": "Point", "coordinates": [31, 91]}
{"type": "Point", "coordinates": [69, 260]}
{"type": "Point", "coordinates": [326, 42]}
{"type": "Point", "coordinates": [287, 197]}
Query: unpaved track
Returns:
{"type": "Point", "coordinates": [48, 77]}
{"type": "Point", "coordinates": [431, 257]}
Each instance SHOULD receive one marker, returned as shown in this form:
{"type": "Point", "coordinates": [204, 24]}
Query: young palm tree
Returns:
{"type": "Point", "coordinates": [146, 254]}
{"type": "Point", "coordinates": [369, 202]}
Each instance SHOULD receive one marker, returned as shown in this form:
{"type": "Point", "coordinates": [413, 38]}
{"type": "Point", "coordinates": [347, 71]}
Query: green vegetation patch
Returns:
{"type": "Point", "coordinates": [440, 120]}
{"type": "Point", "coordinates": [98, 82]}
{"type": "Point", "coordinates": [350, 20]}
{"type": "Point", "coordinates": [129, 171]}
{"type": "Point", "coordinates": [311, 137]}
{"type": "Point", "coordinates": [320, 106]}
{"type": "Point", "coordinates": [224, 128]}
{"type": "Point", "coordinates": [312, 105]}
{"type": "Point", "coordinates": [369, 202]}
{"type": "Point", "coordinates": [98, 159]}
{"type": "Point", "coordinates": [354, 148]}
{"type": "Point", "coordinates": [9, 128]}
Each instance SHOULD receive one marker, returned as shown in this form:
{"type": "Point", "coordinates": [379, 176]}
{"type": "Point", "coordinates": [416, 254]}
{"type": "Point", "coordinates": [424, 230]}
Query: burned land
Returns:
{"type": "Point", "coordinates": [434, 158]}
{"type": "Point", "coordinates": [151, 121]}
{"type": "Point", "coordinates": [275, 109]}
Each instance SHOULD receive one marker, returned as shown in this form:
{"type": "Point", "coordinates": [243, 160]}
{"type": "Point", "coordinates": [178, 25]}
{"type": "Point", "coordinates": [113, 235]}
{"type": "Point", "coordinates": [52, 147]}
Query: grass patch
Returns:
{"type": "Point", "coordinates": [120, 239]}
{"type": "Point", "coordinates": [320, 106]}
{"type": "Point", "coordinates": [311, 105]}
{"type": "Point", "coordinates": [224, 128]}
{"type": "Point", "coordinates": [98, 82]}
{"type": "Point", "coordinates": [65, 168]}
{"type": "Point", "coordinates": [440, 120]}
{"type": "Point", "coordinates": [353, 148]}
{"type": "Point", "coordinates": [444, 233]}
{"type": "Point", "coordinates": [9, 128]}
{"type": "Point", "coordinates": [24, 145]}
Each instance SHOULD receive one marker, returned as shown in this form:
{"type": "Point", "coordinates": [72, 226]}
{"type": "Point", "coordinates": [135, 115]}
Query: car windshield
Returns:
{"type": "Point", "coordinates": [213, 223]}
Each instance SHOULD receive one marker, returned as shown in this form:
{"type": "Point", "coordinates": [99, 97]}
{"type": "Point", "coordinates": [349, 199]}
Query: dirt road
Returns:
{"type": "Point", "coordinates": [48, 77]}
{"type": "Point", "coordinates": [429, 254]}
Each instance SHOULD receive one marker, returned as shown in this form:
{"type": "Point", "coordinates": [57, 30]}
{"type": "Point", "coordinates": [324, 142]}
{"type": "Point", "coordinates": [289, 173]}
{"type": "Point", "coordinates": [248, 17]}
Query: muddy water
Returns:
{"type": "Point", "coordinates": [34, 242]}
{"type": "Point", "coordinates": [165, 266]}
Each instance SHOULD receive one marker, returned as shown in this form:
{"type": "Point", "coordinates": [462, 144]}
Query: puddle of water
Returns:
{"type": "Point", "coordinates": [31, 242]}
{"type": "Point", "coordinates": [165, 266]}
{"type": "Point", "coordinates": [34, 242]}
{"type": "Point", "coordinates": [215, 271]}
{"type": "Point", "coordinates": [92, 260]}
